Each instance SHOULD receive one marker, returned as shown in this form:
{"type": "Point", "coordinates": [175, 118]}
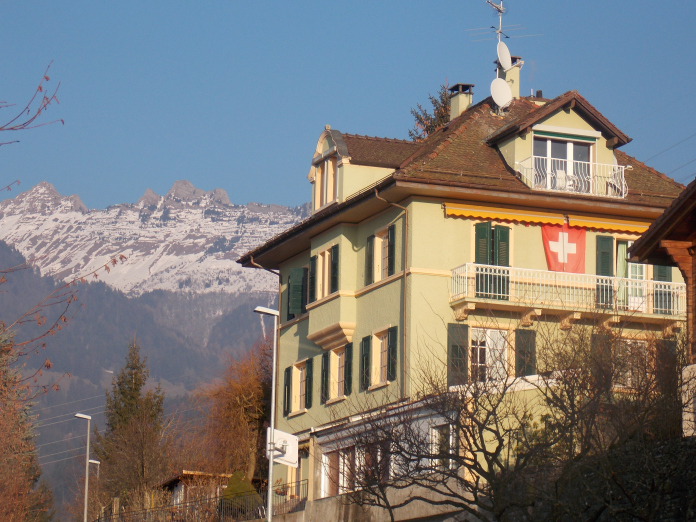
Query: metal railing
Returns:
{"type": "Point", "coordinates": [573, 292]}
{"type": "Point", "coordinates": [579, 177]}
{"type": "Point", "coordinates": [287, 498]}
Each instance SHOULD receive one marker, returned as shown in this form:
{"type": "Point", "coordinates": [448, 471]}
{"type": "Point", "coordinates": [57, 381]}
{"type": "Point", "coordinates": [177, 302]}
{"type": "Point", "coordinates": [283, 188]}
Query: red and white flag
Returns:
{"type": "Point", "coordinates": [564, 247]}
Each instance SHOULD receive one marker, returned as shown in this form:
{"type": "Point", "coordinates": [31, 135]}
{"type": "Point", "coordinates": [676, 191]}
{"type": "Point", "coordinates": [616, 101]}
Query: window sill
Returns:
{"type": "Point", "coordinates": [326, 205]}
{"type": "Point", "coordinates": [296, 320]}
{"type": "Point", "coordinates": [297, 413]}
{"type": "Point", "coordinates": [381, 282]}
{"type": "Point", "coordinates": [379, 385]}
{"type": "Point", "coordinates": [336, 400]}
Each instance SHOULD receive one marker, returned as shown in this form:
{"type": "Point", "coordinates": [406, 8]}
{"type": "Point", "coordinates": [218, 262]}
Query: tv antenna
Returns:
{"type": "Point", "coordinates": [498, 31]}
{"type": "Point", "coordinates": [500, 90]}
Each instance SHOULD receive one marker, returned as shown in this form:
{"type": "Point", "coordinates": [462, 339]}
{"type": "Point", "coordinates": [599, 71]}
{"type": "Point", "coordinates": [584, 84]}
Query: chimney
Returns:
{"type": "Point", "coordinates": [512, 76]}
{"type": "Point", "coordinates": [462, 96]}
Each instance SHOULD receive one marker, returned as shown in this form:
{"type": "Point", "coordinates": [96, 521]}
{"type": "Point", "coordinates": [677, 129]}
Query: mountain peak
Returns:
{"type": "Point", "coordinates": [149, 198]}
{"type": "Point", "coordinates": [184, 190]}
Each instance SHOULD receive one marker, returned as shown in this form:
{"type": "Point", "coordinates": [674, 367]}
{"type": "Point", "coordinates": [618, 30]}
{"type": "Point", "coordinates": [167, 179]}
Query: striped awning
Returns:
{"type": "Point", "coordinates": [608, 224]}
{"type": "Point", "coordinates": [502, 214]}
{"type": "Point", "coordinates": [491, 213]}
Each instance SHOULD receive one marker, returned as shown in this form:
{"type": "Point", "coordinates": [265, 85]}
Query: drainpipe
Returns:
{"type": "Point", "coordinates": [403, 294]}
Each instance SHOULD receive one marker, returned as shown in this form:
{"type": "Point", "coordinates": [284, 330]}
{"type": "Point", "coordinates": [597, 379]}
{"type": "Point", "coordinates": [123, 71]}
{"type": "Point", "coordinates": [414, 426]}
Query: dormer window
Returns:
{"type": "Point", "coordinates": [325, 186]}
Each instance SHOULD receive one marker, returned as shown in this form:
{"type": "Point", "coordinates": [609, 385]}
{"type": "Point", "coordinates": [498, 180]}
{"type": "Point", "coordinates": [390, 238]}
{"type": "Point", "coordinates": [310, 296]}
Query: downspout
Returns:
{"type": "Point", "coordinates": [403, 293]}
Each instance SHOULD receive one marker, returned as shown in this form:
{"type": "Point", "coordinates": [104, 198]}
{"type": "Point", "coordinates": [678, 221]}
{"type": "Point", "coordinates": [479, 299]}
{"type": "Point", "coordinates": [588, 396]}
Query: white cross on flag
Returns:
{"type": "Point", "coordinates": [564, 247]}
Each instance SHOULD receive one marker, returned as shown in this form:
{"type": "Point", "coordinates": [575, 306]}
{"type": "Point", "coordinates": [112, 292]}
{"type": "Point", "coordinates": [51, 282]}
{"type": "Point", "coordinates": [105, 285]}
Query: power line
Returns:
{"type": "Point", "coordinates": [684, 165]}
{"type": "Point", "coordinates": [669, 148]}
{"type": "Point", "coordinates": [60, 460]}
{"type": "Point", "coordinates": [65, 420]}
{"type": "Point", "coordinates": [71, 402]}
{"type": "Point", "coordinates": [684, 178]}
{"type": "Point", "coordinates": [61, 452]}
{"type": "Point", "coordinates": [59, 441]}
{"type": "Point", "coordinates": [73, 412]}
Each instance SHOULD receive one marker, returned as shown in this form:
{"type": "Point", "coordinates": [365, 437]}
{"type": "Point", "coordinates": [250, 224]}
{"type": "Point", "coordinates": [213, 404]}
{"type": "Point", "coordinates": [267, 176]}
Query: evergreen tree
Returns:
{"type": "Point", "coordinates": [425, 122]}
{"type": "Point", "coordinates": [133, 449]}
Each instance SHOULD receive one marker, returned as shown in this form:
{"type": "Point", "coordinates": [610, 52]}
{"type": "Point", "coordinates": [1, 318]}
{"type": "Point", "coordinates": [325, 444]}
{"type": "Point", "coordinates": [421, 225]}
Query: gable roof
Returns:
{"type": "Point", "coordinates": [378, 152]}
{"type": "Point", "coordinates": [572, 100]}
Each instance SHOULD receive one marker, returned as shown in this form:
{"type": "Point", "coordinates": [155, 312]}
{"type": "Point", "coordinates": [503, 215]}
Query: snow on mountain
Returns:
{"type": "Point", "coordinates": [187, 240]}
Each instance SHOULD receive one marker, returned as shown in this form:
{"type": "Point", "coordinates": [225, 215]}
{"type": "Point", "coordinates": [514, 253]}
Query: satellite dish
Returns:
{"type": "Point", "coordinates": [504, 58]}
{"type": "Point", "coordinates": [500, 90]}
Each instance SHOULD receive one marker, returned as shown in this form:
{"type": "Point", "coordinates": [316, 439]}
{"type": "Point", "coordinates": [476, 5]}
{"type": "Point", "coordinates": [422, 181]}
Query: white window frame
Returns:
{"type": "Point", "coordinates": [344, 456]}
{"type": "Point", "coordinates": [379, 358]}
{"type": "Point", "coordinates": [435, 434]}
{"type": "Point", "coordinates": [380, 265]}
{"type": "Point", "coordinates": [338, 384]}
{"type": "Point", "coordinates": [299, 381]}
{"type": "Point", "coordinates": [495, 344]}
{"type": "Point", "coordinates": [323, 275]}
{"type": "Point", "coordinates": [325, 181]}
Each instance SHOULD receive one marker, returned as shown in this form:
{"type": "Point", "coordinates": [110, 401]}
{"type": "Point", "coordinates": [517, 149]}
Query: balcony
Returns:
{"type": "Point", "coordinates": [576, 177]}
{"type": "Point", "coordinates": [507, 288]}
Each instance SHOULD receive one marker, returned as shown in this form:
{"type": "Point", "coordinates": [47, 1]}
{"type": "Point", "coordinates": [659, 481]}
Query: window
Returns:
{"type": "Point", "coordinates": [297, 387]}
{"type": "Point", "coordinates": [325, 183]}
{"type": "Point", "coordinates": [492, 248]}
{"type": "Point", "coordinates": [442, 446]}
{"type": "Point", "coordinates": [631, 290]}
{"type": "Point", "coordinates": [457, 348]}
{"type": "Point", "coordinates": [378, 358]}
{"type": "Point", "coordinates": [380, 255]}
{"type": "Point", "coordinates": [323, 274]}
{"type": "Point", "coordinates": [375, 462]}
{"type": "Point", "coordinates": [336, 373]}
{"type": "Point", "coordinates": [297, 292]}
{"type": "Point", "coordinates": [338, 475]}
{"type": "Point", "coordinates": [488, 355]}
{"type": "Point", "coordinates": [562, 165]}
{"type": "Point", "coordinates": [632, 363]}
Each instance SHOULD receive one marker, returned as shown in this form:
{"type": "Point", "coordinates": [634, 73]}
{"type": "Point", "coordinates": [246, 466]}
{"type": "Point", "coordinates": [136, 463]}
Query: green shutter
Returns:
{"type": "Point", "coordinates": [605, 256]}
{"type": "Point", "coordinates": [287, 398]}
{"type": "Point", "coordinates": [600, 361]}
{"type": "Point", "coordinates": [525, 353]}
{"type": "Point", "coordinates": [312, 285]}
{"type": "Point", "coordinates": [334, 269]}
{"type": "Point", "coordinates": [483, 243]}
{"type": "Point", "coordinates": [365, 347]}
{"type": "Point", "coordinates": [662, 273]}
{"type": "Point", "coordinates": [305, 276]}
{"type": "Point", "coordinates": [392, 344]}
{"type": "Point", "coordinates": [295, 290]}
{"type": "Point", "coordinates": [348, 369]}
{"type": "Point", "coordinates": [309, 381]}
{"type": "Point", "coordinates": [667, 381]}
{"type": "Point", "coordinates": [457, 354]}
{"type": "Point", "coordinates": [369, 260]}
{"type": "Point", "coordinates": [502, 246]}
{"type": "Point", "coordinates": [324, 377]}
{"type": "Point", "coordinates": [391, 250]}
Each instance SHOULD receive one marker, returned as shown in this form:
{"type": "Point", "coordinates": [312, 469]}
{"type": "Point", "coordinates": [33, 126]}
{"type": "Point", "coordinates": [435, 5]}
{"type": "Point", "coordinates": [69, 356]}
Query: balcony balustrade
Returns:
{"type": "Point", "coordinates": [566, 291]}
{"type": "Point", "coordinates": [577, 177]}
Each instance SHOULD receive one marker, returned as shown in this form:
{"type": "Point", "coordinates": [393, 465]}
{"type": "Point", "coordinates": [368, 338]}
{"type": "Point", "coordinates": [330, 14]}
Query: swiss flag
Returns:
{"type": "Point", "coordinates": [564, 247]}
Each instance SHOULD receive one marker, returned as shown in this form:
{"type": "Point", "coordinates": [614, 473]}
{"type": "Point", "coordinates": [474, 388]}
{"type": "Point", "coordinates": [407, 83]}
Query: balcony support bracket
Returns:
{"type": "Point", "coordinates": [568, 319]}
{"type": "Point", "coordinates": [461, 311]}
{"type": "Point", "coordinates": [611, 320]}
{"type": "Point", "coordinates": [528, 316]}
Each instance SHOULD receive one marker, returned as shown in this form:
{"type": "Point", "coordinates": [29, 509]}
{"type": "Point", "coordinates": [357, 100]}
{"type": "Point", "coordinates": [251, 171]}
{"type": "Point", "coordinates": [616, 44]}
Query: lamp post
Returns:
{"type": "Point", "coordinates": [89, 419]}
{"type": "Point", "coordinates": [97, 463]}
{"type": "Point", "coordinates": [271, 442]}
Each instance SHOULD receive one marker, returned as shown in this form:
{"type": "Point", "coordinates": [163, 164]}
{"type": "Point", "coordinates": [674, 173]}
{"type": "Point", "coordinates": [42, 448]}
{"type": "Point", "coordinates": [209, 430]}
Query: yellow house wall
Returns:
{"type": "Point", "coordinates": [354, 178]}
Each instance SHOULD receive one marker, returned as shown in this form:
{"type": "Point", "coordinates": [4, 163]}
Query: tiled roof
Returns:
{"type": "Point", "coordinates": [378, 152]}
{"type": "Point", "coordinates": [462, 152]}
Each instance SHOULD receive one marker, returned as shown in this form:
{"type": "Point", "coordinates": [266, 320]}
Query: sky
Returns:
{"type": "Point", "coordinates": [234, 95]}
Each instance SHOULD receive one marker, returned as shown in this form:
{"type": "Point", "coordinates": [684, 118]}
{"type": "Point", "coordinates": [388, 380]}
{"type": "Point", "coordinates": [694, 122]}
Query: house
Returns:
{"type": "Point", "coordinates": [190, 486]}
{"type": "Point", "coordinates": [451, 252]}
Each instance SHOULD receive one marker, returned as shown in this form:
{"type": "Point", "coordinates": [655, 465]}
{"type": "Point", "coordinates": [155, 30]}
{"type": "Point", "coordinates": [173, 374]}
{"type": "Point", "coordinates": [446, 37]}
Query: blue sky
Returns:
{"type": "Point", "coordinates": [235, 94]}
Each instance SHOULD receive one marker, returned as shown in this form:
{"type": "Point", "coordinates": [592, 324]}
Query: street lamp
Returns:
{"type": "Point", "coordinates": [271, 443]}
{"type": "Point", "coordinates": [83, 416]}
{"type": "Point", "coordinates": [97, 463]}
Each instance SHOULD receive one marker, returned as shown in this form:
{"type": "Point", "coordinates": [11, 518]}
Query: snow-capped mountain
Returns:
{"type": "Point", "coordinates": [187, 240]}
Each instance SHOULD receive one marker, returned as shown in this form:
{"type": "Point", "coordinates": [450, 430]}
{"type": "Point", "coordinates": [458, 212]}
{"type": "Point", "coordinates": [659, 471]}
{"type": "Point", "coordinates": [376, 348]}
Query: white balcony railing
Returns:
{"type": "Point", "coordinates": [566, 291]}
{"type": "Point", "coordinates": [578, 177]}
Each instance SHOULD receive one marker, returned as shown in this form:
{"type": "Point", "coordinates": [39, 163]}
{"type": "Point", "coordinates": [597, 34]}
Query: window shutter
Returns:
{"type": "Point", "coordinates": [525, 353]}
{"type": "Point", "coordinates": [605, 256]}
{"type": "Point", "coordinates": [365, 347]}
{"type": "Point", "coordinates": [457, 354]}
{"type": "Point", "coordinates": [392, 344]}
{"type": "Point", "coordinates": [600, 361]}
{"type": "Point", "coordinates": [662, 273]}
{"type": "Point", "coordinates": [391, 249]}
{"type": "Point", "coordinates": [287, 398]}
{"type": "Point", "coordinates": [334, 269]}
{"type": "Point", "coordinates": [312, 285]}
{"type": "Point", "coordinates": [502, 246]}
{"type": "Point", "coordinates": [369, 260]}
{"type": "Point", "coordinates": [305, 273]}
{"type": "Point", "coordinates": [667, 380]}
{"type": "Point", "coordinates": [325, 377]}
{"type": "Point", "coordinates": [348, 369]}
{"type": "Point", "coordinates": [483, 243]}
{"type": "Point", "coordinates": [309, 382]}
{"type": "Point", "coordinates": [295, 291]}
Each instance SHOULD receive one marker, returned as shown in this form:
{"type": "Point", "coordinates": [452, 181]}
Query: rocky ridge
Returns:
{"type": "Point", "coordinates": [186, 240]}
